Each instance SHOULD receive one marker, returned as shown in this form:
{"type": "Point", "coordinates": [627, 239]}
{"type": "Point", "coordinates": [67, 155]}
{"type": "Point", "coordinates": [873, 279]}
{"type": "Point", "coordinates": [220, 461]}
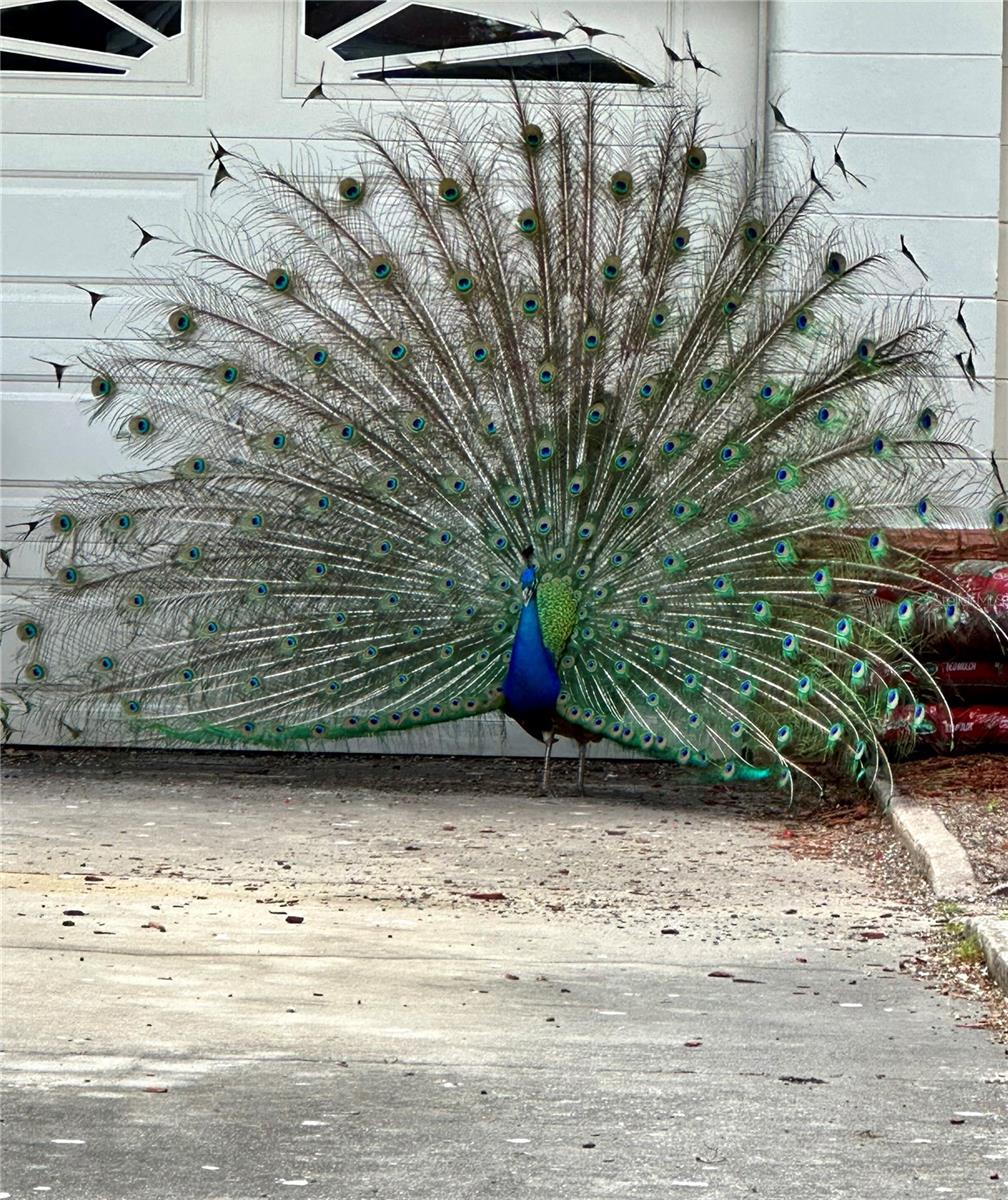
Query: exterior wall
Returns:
{"type": "Point", "coordinates": [917, 85]}
{"type": "Point", "coordinates": [1001, 383]}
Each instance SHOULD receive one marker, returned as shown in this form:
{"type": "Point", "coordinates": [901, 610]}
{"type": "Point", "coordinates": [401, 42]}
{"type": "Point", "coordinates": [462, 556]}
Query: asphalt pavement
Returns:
{"type": "Point", "coordinates": [231, 977]}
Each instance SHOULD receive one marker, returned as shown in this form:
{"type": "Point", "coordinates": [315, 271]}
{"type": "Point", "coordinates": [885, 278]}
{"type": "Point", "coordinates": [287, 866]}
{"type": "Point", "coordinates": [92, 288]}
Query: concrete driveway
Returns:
{"type": "Point", "coordinates": [231, 977]}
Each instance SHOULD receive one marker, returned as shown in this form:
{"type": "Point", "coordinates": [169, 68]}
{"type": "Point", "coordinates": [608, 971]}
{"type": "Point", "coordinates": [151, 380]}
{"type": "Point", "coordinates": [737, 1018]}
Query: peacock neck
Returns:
{"type": "Point", "coordinates": [532, 685]}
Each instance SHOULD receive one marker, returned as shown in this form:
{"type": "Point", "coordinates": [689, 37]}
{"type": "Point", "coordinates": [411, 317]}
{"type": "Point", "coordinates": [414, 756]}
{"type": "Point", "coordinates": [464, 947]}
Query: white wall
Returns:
{"type": "Point", "coordinates": [917, 85]}
{"type": "Point", "coordinates": [1001, 384]}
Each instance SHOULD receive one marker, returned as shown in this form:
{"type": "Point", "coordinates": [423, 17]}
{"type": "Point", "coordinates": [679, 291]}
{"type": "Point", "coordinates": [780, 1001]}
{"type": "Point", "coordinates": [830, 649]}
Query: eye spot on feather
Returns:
{"type": "Point", "coordinates": [350, 190]}
{"type": "Point", "coordinates": [140, 426]}
{"type": "Point", "coordinates": [612, 268]}
{"type": "Point", "coordinates": [279, 279]}
{"type": "Point", "coordinates": [449, 191]}
{"type": "Point", "coordinates": [528, 221]}
{"type": "Point", "coordinates": [836, 264]}
{"type": "Point", "coordinates": [318, 356]}
{"type": "Point", "coordinates": [532, 137]}
{"type": "Point", "coordinates": [101, 386]}
{"type": "Point", "coordinates": [180, 321]}
{"type": "Point", "coordinates": [696, 158]}
{"type": "Point", "coordinates": [380, 267]}
{"type": "Point", "coordinates": [680, 238]}
{"type": "Point", "coordinates": [621, 184]}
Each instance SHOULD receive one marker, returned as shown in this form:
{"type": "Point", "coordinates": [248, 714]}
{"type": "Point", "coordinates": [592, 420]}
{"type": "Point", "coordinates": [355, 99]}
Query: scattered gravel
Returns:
{"type": "Point", "coordinates": [846, 829]}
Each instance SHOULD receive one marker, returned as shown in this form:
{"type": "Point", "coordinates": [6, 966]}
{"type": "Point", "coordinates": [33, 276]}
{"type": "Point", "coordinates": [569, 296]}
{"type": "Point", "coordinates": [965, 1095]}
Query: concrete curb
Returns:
{"type": "Point", "coordinates": [992, 934]}
{"type": "Point", "coordinates": [936, 852]}
{"type": "Point", "coordinates": [943, 862]}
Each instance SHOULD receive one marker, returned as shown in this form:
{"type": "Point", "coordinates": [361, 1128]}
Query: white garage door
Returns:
{"type": "Point", "coordinates": [107, 113]}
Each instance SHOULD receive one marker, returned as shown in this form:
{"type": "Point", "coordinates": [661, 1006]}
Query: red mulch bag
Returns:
{"type": "Point", "coordinates": [979, 726]}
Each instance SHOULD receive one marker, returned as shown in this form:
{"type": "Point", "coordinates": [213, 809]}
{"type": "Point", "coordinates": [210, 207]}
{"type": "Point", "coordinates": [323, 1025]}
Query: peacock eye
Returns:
{"type": "Point", "coordinates": [180, 321]}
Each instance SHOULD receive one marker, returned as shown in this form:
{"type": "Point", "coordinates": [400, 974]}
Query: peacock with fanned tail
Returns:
{"type": "Point", "coordinates": [557, 417]}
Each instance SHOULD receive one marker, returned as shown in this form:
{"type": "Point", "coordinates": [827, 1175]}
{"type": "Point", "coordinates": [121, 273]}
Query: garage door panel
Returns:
{"type": "Point", "coordinates": [83, 156]}
{"type": "Point", "coordinates": [47, 438]}
{"type": "Point", "coordinates": [26, 557]}
{"type": "Point", "coordinates": [76, 226]}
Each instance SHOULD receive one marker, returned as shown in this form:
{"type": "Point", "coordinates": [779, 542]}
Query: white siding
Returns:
{"type": "Point", "coordinates": [1001, 383]}
{"type": "Point", "coordinates": [917, 85]}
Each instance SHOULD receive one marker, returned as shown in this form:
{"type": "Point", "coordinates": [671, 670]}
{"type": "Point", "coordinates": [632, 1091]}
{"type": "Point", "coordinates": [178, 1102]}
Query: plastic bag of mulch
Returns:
{"type": "Point", "coordinates": [971, 728]}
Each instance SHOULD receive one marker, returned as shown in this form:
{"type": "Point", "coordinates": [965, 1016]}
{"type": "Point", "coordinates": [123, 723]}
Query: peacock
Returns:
{"type": "Point", "coordinates": [550, 406]}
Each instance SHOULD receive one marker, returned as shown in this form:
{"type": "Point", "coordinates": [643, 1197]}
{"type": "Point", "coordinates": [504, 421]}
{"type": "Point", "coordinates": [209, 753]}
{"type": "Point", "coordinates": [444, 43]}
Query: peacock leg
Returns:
{"type": "Point", "coordinates": [544, 789]}
{"type": "Point", "coordinates": [582, 754]}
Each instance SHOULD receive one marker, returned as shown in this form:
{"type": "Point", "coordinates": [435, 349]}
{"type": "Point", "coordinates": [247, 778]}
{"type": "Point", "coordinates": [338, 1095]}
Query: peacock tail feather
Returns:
{"type": "Point", "coordinates": [580, 329]}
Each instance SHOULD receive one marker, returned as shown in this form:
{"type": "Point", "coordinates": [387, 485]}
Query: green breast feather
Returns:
{"type": "Point", "coordinates": [557, 613]}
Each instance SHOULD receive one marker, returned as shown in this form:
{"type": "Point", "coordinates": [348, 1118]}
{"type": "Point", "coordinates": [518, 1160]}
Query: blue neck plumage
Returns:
{"type": "Point", "coordinates": [532, 685]}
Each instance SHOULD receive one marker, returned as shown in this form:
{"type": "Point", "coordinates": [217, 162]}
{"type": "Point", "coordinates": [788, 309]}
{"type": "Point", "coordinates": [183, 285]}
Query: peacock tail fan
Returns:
{"type": "Point", "coordinates": [575, 325]}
